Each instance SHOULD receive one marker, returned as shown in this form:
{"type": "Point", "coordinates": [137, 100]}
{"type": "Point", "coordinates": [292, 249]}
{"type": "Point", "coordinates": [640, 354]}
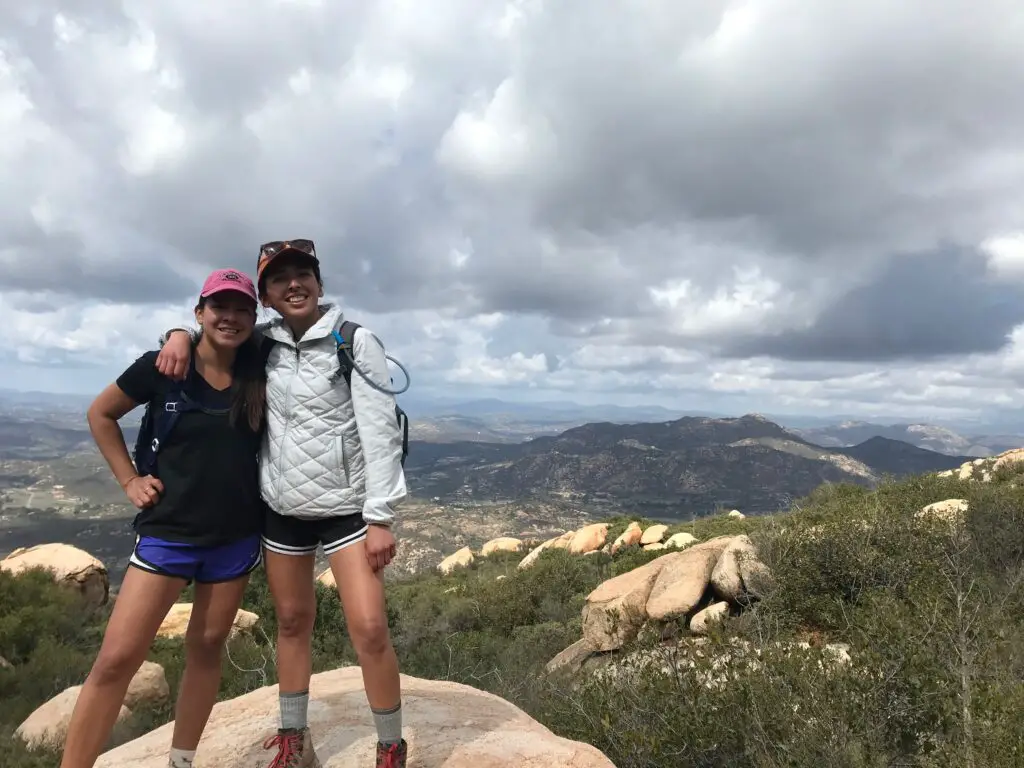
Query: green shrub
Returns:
{"type": "Point", "coordinates": [932, 614]}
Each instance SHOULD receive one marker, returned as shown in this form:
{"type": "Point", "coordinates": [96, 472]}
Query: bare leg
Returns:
{"type": "Point", "coordinates": [290, 578]}
{"type": "Point", "coordinates": [213, 614]}
{"type": "Point", "coordinates": [362, 598]}
{"type": "Point", "coordinates": [141, 605]}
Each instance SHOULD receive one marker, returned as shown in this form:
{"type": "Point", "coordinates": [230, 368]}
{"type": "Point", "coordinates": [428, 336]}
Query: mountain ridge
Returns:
{"type": "Point", "coordinates": [690, 466]}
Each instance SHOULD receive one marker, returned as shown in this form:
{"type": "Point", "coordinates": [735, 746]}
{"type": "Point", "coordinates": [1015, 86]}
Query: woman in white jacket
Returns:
{"type": "Point", "coordinates": [331, 475]}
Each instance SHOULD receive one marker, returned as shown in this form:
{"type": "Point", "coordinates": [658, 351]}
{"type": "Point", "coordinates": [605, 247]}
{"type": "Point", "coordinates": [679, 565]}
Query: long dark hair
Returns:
{"type": "Point", "coordinates": [248, 382]}
{"type": "Point", "coordinates": [249, 386]}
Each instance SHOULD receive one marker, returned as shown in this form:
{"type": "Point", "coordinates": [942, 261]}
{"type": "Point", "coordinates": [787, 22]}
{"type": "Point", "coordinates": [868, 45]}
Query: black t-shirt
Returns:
{"type": "Point", "coordinates": [208, 467]}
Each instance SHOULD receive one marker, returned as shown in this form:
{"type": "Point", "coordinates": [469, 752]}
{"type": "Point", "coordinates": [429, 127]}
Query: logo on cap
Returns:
{"type": "Point", "coordinates": [232, 276]}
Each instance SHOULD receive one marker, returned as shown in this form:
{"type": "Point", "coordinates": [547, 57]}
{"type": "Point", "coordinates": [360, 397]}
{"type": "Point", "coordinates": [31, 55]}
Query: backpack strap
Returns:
{"type": "Point", "coordinates": [158, 423]}
{"type": "Point", "coordinates": [345, 335]}
{"type": "Point", "coordinates": [176, 403]}
{"type": "Point", "coordinates": [266, 345]}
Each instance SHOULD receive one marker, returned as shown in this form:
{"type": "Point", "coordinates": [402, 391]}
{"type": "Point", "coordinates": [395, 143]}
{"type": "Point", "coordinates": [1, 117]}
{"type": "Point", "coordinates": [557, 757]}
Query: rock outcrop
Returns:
{"type": "Point", "coordinates": [588, 540]}
{"type": "Point", "coordinates": [47, 726]}
{"type": "Point", "coordinates": [175, 623]}
{"type": "Point", "coordinates": [738, 572]}
{"type": "Point", "coordinates": [628, 537]}
{"type": "Point", "coordinates": [71, 567]}
{"type": "Point", "coordinates": [951, 511]}
{"type": "Point", "coordinates": [653, 535]}
{"type": "Point", "coordinates": [701, 620]}
{"type": "Point", "coordinates": [701, 585]}
{"type": "Point", "coordinates": [461, 559]}
{"type": "Point", "coordinates": [501, 544]}
{"type": "Point", "coordinates": [985, 469]}
{"type": "Point", "coordinates": [680, 540]}
{"type": "Point", "coordinates": [684, 579]}
{"type": "Point", "coordinates": [447, 725]}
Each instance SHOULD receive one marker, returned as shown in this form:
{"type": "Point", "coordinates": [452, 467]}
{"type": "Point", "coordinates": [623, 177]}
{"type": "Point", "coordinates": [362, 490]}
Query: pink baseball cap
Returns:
{"type": "Point", "coordinates": [229, 280]}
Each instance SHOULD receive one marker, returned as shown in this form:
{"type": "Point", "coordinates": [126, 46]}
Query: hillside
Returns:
{"type": "Point", "coordinates": [674, 469]}
{"type": "Point", "coordinates": [927, 436]}
{"type": "Point", "coordinates": [886, 456]}
{"type": "Point", "coordinates": [448, 429]}
{"type": "Point", "coordinates": [886, 628]}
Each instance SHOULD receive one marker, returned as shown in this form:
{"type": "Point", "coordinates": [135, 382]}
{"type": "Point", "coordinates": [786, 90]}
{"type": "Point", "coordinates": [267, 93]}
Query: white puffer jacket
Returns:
{"type": "Point", "coordinates": [329, 451]}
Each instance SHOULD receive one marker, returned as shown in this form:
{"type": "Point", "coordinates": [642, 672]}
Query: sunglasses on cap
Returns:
{"type": "Point", "coordinates": [275, 247]}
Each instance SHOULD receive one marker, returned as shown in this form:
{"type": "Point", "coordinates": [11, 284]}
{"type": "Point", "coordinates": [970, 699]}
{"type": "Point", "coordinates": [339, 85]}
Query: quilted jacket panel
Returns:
{"type": "Point", "coordinates": [329, 450]}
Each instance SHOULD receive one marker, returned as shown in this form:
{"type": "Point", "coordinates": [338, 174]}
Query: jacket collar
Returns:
{"type": "Point", "coordinates": [331, 320]}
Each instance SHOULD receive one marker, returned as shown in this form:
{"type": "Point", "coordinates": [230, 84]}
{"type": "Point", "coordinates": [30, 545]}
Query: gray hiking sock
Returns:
{"type": "Point", "coordinates": [294, 707]}
{"type": "Point", "coordinates": [389, 724]}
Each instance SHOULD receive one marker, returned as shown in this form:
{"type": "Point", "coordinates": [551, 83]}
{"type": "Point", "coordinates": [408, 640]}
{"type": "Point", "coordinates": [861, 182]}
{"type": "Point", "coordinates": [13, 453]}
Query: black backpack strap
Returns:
{"type": "Point", "coordinates": [345, 335]}
{"type": "Point", "coordinates": [175, 403]}
{"type": "Point", "coordinates": [266, 344]}
{"type": "Point", "coordinates": [159, 421]}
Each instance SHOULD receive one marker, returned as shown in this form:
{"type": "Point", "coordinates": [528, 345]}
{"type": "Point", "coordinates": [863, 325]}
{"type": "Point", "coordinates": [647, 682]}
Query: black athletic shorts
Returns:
{"type": "Point", "coordinates": [286, 535]}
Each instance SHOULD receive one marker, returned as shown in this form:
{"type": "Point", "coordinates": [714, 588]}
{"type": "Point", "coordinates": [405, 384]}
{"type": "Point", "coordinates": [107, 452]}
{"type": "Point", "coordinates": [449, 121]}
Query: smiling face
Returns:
{"type": "Point", "coordinates": [227, 318]}
{"type": "Point", "coordinates": [290, 287]}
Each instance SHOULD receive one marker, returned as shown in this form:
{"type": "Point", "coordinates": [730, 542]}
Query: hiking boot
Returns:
{"type": "Point", "coordinates": [294, 749]}
{"type": "Point", "coordinates": [391, 755]}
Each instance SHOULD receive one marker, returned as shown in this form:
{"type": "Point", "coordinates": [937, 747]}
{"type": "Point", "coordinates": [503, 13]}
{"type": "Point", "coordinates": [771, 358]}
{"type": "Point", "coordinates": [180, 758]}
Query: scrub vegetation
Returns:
{"type": "Point", "coordinates": [930, 612]}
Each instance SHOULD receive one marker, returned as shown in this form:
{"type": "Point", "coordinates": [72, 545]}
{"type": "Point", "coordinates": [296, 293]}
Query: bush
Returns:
{"type": "Point", "coordinates": [932, 614]}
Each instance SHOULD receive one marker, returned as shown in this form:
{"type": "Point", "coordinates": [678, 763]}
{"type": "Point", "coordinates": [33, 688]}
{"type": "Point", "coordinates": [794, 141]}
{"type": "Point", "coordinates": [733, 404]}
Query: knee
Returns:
{"type": "Point", "coordinates": [206, 643]}
{"type": "Point", "coordinates": [116, 665]}
{"type": "Point", "coordinates": [295, 620]}
{"type": "Point", "coordinates": [370, 636]}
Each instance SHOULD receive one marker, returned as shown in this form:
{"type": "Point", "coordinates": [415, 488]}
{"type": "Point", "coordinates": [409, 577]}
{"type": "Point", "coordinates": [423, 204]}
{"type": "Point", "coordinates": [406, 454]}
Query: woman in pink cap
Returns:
{"type": "Point", "coordinates": [195, 480]}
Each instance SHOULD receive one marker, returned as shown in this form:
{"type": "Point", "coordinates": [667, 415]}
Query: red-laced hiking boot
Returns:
{"type": "Point", "coordinates": [392, 755]}
{"type": "Point", "coordinates": [294, 749]}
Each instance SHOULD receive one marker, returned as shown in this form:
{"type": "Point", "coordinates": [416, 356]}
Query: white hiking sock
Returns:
{"type": "Point", "coordinates": [182, 758]}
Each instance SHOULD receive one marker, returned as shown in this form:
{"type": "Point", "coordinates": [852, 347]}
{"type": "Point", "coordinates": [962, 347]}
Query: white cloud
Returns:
{"type": "Point", "coordinates": [1005, 254]}
{"type": "Point", "coordinates": [753, 204]}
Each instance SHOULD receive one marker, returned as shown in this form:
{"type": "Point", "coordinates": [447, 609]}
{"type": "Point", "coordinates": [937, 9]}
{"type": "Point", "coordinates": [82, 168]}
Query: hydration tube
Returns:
{"type": "Point", "coordinates": [347, 352]}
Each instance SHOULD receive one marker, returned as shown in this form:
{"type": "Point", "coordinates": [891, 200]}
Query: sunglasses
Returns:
{"type": "Point", "coordinates": [273, 248]}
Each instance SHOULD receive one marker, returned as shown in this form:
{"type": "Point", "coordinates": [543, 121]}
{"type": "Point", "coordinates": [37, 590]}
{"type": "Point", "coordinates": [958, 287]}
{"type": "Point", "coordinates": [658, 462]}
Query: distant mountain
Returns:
{"type": "Point", "coordinates": [496, 429]}
{"type": "Point", "coordinates": [493, 420]}
{"type": "Point", "coordinates": [681, 468]}
{"type": "Point", "coordinates": [895, 457]}
{"type": "Point", "coordinates": [550, 411]}
{"type": "Point", "coordinates": [929, 436]}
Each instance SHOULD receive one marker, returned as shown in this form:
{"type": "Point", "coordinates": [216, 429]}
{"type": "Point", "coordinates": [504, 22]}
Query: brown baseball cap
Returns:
{"type": "Point", "coordinates": [277, 248]}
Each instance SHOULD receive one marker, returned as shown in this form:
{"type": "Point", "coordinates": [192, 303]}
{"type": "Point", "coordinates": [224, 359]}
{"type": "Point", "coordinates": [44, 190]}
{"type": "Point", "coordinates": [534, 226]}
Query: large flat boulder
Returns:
{"type": "Point", "coordinates": [615, 610]}
{"type": "Point", "coordinates": [70, 566]}
{"type": "Point", "coordinates": [48, 725]}
{"type": "Point", "coordinates": [682, 582]}
{"type": "Point", "coordinates": [447, 725]}
{"type": "Point", "coordinates": [175, 623]}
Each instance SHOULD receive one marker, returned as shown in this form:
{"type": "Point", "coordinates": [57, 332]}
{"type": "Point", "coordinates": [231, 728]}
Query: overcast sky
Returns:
{"type": "Point", "coordinates": [773, 205]}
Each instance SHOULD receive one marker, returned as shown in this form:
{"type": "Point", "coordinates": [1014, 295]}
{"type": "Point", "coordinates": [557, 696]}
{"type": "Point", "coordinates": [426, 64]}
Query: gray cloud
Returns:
{"type": "Point", "coordinates": [588, 155]}
{"type": "Point", "coordinates": [919, 306]}
{"type": "Point", "coordinates": [60, 263]}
